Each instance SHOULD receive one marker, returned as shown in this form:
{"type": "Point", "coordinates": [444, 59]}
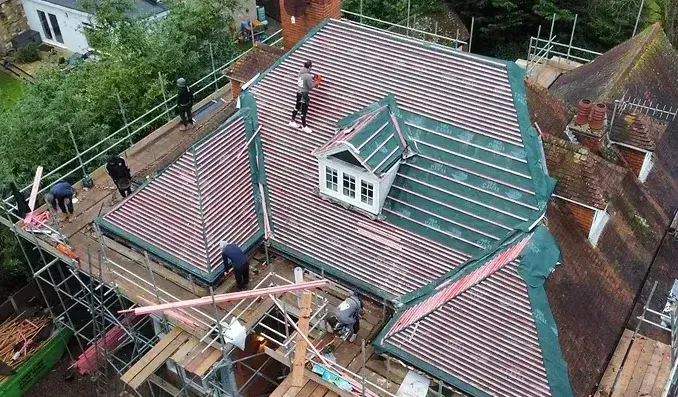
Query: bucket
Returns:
{"type": "Point", "coordinates": [261, 14]}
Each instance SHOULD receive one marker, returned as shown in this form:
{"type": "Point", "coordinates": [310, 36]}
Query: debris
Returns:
{"type": "Point", "coordinates": [20, 337]}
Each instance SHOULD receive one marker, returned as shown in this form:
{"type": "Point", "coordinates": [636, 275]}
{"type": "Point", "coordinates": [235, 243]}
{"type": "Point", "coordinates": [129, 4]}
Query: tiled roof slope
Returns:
{"type": "Point", "coordinates": [645, 68]}
{"type": "Point", "coordinates": [475, 179]}
{"type": "Point", "coordinates": [208, 188]}
{"type": "Point", "coordinates": [261, 57]}
{"type": "Point", "coordinates": [374, 136]}
{"type": "Point", "coordinates": [549, 112]}
{"type": "Point", "coordinates": [582, 175]}
{"type": "Point", "coordinates": [469, 185]}
{"type": "Point", "coordinates": [630, 129]}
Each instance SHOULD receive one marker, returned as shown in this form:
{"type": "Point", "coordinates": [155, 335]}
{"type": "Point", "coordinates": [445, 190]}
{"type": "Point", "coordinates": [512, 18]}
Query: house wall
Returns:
{"type": "Point", "coordinates": [70, 22]}
{"type": "Point", "coordinates": [634, 158]}
{"type": "Point", "coordinates": [582, 215]}
{"type": "Point", "coordinates": [12, 21]}
{"type": "Point", "coordinates": [315, 13]}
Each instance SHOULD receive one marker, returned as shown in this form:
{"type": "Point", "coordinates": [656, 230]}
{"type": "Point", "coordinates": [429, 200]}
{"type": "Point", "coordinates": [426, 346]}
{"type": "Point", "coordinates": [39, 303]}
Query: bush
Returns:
{"type": "Point", "coordinates": [27, 53]}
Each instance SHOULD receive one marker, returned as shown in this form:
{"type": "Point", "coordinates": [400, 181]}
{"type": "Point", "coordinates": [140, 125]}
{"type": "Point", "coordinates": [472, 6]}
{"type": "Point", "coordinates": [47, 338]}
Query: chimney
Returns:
{"type": "Point", "coordinates": [309, 13]}
{"type": "Point", "coordinates": [598, 116]}
{"type": "Point", "coordinates": [583, 112]}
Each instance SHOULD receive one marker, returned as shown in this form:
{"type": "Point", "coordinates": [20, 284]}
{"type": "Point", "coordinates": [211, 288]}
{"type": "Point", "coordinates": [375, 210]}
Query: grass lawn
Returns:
{"type": "Point", "coordinates": [10, 90]}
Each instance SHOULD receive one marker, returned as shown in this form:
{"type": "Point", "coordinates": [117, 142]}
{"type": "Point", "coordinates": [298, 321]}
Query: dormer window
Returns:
{"type": "Point", "coordinates": [358, 165]}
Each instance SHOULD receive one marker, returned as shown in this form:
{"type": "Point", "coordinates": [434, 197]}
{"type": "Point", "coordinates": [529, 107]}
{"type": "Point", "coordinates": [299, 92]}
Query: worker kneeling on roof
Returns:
{"type": "Point", "coordinates": [346, 318]}
{"type": "Point", "coordinates": [234, 258]}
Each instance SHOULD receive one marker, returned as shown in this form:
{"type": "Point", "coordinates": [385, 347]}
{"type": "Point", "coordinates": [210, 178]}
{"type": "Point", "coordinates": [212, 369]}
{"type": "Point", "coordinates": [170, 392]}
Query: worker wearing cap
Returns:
{"type": "Point", "coordinates": [233, 257]}
{"type": "Point", "coordinates": [346, 318]}
{"type": "Point", "coordinates": [305, 83]}
{"type": "Point", "coordinates": [184, 104]}
{"type": "Point", "coordinates": [61, 194]}
{"type": "Point", "coordinates": [120, 174]}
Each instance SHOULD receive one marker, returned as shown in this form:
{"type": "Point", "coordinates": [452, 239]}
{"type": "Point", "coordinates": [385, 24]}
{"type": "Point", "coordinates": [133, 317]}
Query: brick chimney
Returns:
{"type": "Point", "coordinates": [316, 12]}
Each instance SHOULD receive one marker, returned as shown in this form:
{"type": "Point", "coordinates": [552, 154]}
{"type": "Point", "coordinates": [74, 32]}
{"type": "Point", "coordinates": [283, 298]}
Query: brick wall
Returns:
{"type": "Point", "coordinates": [12, 21]}
{"type": "Point", "coordinates": [582, 215]}
{"type": "Point", "coordinates": [589, 141]}
{"type": "Point", "coordinates": [589, 300]}
{"type": "Point", "coordinates": [634, 158]}
{"type": "Point", "coordinates": [315, 13]}
{"type": "Point", "coordinates": [235, 88]}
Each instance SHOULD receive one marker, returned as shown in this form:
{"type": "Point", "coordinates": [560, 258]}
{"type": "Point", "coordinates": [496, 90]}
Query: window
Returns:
{"type": "Point", "coordinates": [349, 186]}
{"type": "Point", "coordinates": [331, 179]}
{"type": "Point", "coordinates": [50, 27]}
{"type": "Point", "coordinates": [366, 192]}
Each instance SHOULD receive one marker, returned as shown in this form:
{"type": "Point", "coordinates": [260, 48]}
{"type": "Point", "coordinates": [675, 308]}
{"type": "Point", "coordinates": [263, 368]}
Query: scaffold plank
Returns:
{"type": "Point", "coordinates": [207, 363]}
{"type": "Point", "coordinates": [300, 350]}
{"type": "Point", "coordinates": [183, 351]}
{"type": "Point", "coordinates": [227, 297]}
{"type": "Point", "coordinates": [158, 361]}
{"type": "Point", "coordinates": [155, 357]}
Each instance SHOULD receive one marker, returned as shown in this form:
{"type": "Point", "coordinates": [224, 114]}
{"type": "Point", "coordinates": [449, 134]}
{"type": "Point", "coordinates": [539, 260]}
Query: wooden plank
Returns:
{"type": "Point", "coordinates": [194, 363]}
{"type": "Point", "coordinates": [613, 367]}
{"type": "Point", "coordinates": [628, 366]}
{"type": "Point", "coordinates": [652, 370]}
{"type": "Point", "coordinates": [35, 189]}
{"type": "Point", "coordinates": [641, 368]}
{"type": "Point", "coordinates": [308, 389]}
{"type": "Point", "coordinates": [395, 373]}
{"type": "Point", "coordinates": [148, 357]}
{"type": "Point", "coordinates": [158, 361]}
{"type": "Point", "coordinates": [208, 362]}
{"type": "Point", "coordinates": [663, 374]}
{"type": "Point", "coordinates": [184, 350]}
{"type": "Point", "coordinates": [299, 361]}
{"type": "Point", "coordinates": [282, 388]}
{"type": "Point", "coordinates": [163, 384]}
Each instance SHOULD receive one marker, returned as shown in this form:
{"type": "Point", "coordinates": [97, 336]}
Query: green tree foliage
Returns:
{"type": "Point", "coordinates": [130, 53]}
{"type": "Point", "coordinates": [394, 11]}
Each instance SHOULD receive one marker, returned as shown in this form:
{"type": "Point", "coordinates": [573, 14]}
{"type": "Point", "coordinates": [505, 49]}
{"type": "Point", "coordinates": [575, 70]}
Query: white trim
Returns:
{"type": "Point", "coordinates": [576, 202]}
{"type": "Point", "coordinates": [600, 219]}
{"type": "Point", "coordinates": [648, 163]}
{"type": "Point", "coordinates": [249, 82]}
{"type": "Point", "coordinates": [537, 221]}
{"type": "Point", "coordinates": [630, 146]}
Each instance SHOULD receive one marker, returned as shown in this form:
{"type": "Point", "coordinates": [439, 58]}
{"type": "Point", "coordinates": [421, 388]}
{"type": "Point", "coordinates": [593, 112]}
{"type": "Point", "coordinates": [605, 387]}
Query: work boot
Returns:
{"type": "Point", "coordinates": [307, 130]}
{"type": "Point", "coordinates": [353, 338]}
{"type": "Point", "coordinates": [293, 124]}
{"type": "Point", "coordinates": [182, 128]}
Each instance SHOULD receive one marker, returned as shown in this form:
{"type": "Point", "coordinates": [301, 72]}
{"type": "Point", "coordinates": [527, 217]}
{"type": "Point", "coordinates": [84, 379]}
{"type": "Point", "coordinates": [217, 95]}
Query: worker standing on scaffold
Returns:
{"type": "Point", "coordinates": [346, 318]}
{"type": "Point", "coordinates": [233, 257]}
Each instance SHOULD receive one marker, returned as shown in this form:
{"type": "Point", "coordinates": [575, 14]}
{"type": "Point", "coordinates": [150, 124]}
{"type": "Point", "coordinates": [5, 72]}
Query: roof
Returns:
{"type": "Point", "coordinates": [259, 58]}
{"type": "Point", "coordinates": [549, 112]}
{"type": "Point", "coordinates": [140, 8]}
{"type": "Point", "coordinates": [646, 58]}
{"type": "Point", "coordinates": [475, 179]}
{"type": "Point", "coordinates": [209, 187]}
{"type": "Point", "coordinates": [375, 136]}
{"type": "Point", "coordinates": [630, 129]}
{"type": "Point", "coordinates": [582, 175]}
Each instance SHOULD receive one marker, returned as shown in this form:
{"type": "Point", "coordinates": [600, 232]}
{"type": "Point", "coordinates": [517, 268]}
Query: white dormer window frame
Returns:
{"type": "Point", "coordinates": [349, 184]}
{"type": "Point", "coordinates": [648, 163]}
{"type": "Point", "coordinates": [600, 218]}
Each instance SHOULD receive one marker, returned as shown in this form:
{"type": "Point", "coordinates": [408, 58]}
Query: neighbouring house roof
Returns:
{"type": "Point", "coordinates": [473, 186]}
{"type": "Point", "coordinates": [630, 129]}
{"type": "Point", "coordinates": [261, 57]}
{"type": "Point", "coordinates": [209, 188]}
{"type": "Point", "coordinates": [549, 112]}
{"type": "Point", "coordinates": [582, 175]}
{"type": "Point", "coordinates": [375, 136]}
{"type": "Point", "coordinates": [140, 8]}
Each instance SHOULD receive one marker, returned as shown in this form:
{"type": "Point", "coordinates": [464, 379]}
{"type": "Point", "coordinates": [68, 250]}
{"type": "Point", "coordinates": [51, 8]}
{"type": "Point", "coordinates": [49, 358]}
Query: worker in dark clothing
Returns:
{"type": "Point", "coordinates": [305, 84]}
{"type": "Point", "coordinates": [346, 318]}
{"type": "Point", "coordinates": [184, 104]}
{"type": "Point", "coordinates": [61, 194]}
{"type": "Point", "coordinates": [120, 173]}
{"type": "Point", "coordinates": [235, 258]}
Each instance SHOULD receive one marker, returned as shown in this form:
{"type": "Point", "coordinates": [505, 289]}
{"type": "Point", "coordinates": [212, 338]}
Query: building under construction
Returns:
{"type": "Point", "coordinates": [424, 187]}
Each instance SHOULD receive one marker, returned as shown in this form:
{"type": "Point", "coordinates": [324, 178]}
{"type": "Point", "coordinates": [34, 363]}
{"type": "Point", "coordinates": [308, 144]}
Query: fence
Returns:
{"type": "Point", "coordinates": [121, 139]}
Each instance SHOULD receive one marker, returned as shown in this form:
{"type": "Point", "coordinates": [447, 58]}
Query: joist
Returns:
{"type": "Point", "coordinates": [155, 358]}
{"type": "Point", "coordinates": [300, 349]}
{"type": "Point", "coordinates": [208, 300]}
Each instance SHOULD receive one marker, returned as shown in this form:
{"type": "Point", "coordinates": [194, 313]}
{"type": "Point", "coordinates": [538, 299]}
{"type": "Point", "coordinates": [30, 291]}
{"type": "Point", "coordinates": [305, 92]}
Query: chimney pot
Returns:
{"type": "Point", "coordinates": [583, 112]}
{"type": "Point", "coordinates": [598, 116]}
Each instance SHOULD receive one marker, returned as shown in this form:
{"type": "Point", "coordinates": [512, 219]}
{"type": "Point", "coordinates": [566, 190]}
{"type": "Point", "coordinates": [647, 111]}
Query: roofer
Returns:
{"type": "Point", "coordinates": [346, 319]}
{"type": "Point", "coordinates": [184, 103]}
{"type": "Point", "coordinates": [120, 173]}
{"type": "Point", "coordinates": [61, 194]}
{"type": "Point", "coordinates": [233, 257]}
{"type": "Point", "coordinates": [305, 84]}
